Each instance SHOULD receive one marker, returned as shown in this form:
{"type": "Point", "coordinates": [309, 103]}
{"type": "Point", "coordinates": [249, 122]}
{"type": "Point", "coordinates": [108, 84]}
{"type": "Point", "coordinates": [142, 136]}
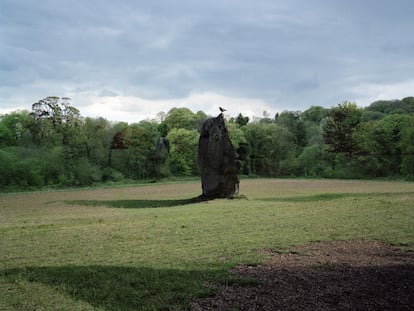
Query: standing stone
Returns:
{"type": "Point", "coordinates": [217, 160]}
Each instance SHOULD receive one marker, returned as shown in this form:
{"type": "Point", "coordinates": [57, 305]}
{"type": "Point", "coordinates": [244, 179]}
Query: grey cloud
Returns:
{"type": "Point", "coordinates": [283, 52]}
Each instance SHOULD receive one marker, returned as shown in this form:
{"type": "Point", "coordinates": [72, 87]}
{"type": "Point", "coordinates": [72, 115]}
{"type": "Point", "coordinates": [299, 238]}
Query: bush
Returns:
{"type": "Point", "coordinates": [110, 174]}
{"type": "Point", "coordinates": [6, 164]}
{"type": "Point", "coordinates": [85, 173]}
{"type": "Point", "coordinates": [19, 168]}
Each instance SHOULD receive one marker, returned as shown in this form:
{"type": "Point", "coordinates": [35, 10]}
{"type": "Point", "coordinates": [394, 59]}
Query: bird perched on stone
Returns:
{"type": "Point", "coordinates": [222, 109]}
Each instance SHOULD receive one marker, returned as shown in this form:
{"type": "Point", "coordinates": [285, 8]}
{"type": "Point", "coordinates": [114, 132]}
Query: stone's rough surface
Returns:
{"type": "Point", "coordinates": [217, 160]}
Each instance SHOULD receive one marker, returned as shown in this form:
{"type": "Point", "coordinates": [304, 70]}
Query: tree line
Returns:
{"type": "Point", "coordinates": [53, 145]}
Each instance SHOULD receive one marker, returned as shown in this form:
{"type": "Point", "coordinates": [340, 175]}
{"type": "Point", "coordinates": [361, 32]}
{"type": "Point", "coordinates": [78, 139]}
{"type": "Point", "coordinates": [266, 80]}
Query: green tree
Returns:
{"type": "Point", "coordinates": [292, 121]}
{"type": "Point", "coordinates": [340, 125]}
{"type": "Point", "coordinates": [141, 140]}
{"type": "Point", "coordinates": [55, 123]}
{"type": "Point", "coordinates": [383, 141]}
{"type": "Point", "coordinates": [406, 105]}
{"type": "Point", "coordinates": [406, 146]}
{"type": "Point", "coordinates": [312, 161]}
{"type": "Point", "coordinates": [183, 151]}
{"type": "Point", "coordinates": [200, 117]}
{"type": "Point", "coordinates": [54, 120]}
{"type": "Point", "coordinates": [14, 129]}
{"type": "Point", "coordinates": [313, 119]}
{"type": "Point", "coordinates": [315, 114]}
{"type": "Point", "coordinates": [241, 120]}
{"type": "Point", "coordinates": [369, 115]}
{"type": "Point", "coordinates": [270, 144]}
{"type": "Point", "coordinates": [97, 140]}
{"type": "Point", "coordinates": [117, 152]}
{"type": "Point", "coordinates": [241, 147]}
{"type": "Point", "coordinates": [180, 118]}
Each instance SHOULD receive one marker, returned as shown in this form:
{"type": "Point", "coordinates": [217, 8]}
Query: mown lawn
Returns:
{"type": "Point", "coordinates": [150, 247]}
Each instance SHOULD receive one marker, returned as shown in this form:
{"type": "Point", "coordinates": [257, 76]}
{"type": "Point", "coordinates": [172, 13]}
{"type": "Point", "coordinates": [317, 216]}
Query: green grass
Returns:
{"type": "Point", "coordinates": [135, 203]}
{"type": "Point", "coordinates": [153, 247]}
{"type": "Point", "coordinates": [333, 196]}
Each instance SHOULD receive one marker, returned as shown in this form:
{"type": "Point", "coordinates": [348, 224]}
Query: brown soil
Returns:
{"type": "Point", "coordinates": [339, 275]}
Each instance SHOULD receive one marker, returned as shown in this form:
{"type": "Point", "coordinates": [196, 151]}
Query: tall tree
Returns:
{"type": "Point", "coordinates": [97, 140]}
{"type": "Point", "coordinates": [339, 128]}
{"type": "Point", "coordinates": [183, 151]}
{"type": "Point", "coordinates": [241, 146]}
{"type": "Point", "coordinates": [385, 140]}
{"type": "Point", "coordinates": [141, 140]}
{"type": "Point", "coordinates": [270, 144]}
{"type": "Point", "coordinates": [315, 114]}
{"type": "Point", "coordinates": [14, 128]}
{"type": "Point", "coordinates": [53, 119]}
{"type": "Point", "coordinates": [406, 145]}
{"type": "Point", "coordinates": [180, 118]}
{"type": "Point", "coordinates": [292, 121]}
{"type": "Point", "coordinates": [241, 120]}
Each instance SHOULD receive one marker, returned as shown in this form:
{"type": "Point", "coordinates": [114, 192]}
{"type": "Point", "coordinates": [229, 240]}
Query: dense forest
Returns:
{"type": "Point", "coordinates": [53, 145]}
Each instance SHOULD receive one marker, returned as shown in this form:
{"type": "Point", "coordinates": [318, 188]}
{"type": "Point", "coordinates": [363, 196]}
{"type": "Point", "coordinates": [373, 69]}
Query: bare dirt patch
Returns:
{"type": "Point", "coordinates": [338, 275]}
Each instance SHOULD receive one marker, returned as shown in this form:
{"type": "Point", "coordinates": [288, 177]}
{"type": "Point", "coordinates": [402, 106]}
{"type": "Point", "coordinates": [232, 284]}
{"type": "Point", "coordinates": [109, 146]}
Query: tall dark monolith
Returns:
{"type": "Point", "coordinates": [217, 160]}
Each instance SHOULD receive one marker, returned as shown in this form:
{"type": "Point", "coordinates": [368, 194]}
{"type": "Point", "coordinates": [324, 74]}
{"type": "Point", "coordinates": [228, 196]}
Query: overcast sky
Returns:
{"type": "Point", "coordinates": [128, 60]}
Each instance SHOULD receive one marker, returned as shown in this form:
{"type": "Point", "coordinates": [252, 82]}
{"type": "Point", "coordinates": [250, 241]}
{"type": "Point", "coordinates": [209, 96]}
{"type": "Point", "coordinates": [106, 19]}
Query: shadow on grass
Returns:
{"type": "Point", "coordinates": [120, 288]}
{"type": "Point", "coordinates": [333, 196]}
{"type": "Point", "coordinates": [113, 288]}
{"type": "Point", "coordinates": [137, 203]}
{"type": "Point", "coordinates": [310, 198]}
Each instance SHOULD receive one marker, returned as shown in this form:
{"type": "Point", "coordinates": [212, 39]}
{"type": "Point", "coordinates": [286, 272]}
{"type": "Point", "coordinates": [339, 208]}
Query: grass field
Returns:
{"type": "Point", "coordinates": [150, 247]}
